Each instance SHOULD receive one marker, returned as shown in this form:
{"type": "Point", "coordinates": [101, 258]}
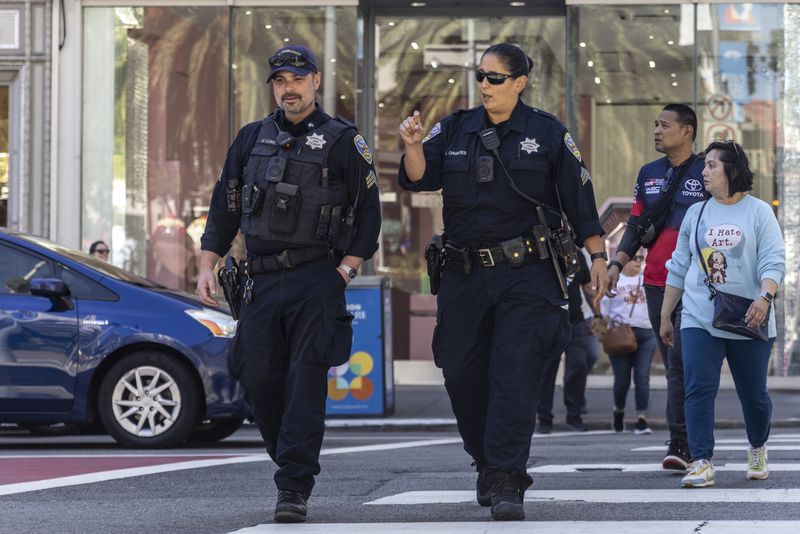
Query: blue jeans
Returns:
{"type": "Point", "coordinates": [702, 360]}
{"type": "Point", "coordinates": [638, 362]}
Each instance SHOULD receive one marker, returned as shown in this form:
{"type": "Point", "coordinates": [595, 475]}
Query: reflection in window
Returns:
{"type": "Point", "coordinates": [155, 133]}
{"type": "Point", "coordinates": [18, 268]}
{"type": "Point", "coordinates": [427, 64]}
{"type": "Point", "coordinates": [330, 33]}
{"type": "Point", "coordinates": [631, 62]}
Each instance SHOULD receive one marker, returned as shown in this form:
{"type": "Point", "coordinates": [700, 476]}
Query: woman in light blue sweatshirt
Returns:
{"type": "Point", "coordinates": [744, 253]}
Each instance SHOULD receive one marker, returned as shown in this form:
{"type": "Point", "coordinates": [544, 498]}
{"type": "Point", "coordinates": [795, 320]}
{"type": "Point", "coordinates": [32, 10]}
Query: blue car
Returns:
{"type": "Point", "coordinates": [82, 341]}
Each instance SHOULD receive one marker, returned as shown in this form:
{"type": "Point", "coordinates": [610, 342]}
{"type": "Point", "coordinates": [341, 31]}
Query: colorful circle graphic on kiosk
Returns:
{"type": "Point", "coordinates": [351, 378]}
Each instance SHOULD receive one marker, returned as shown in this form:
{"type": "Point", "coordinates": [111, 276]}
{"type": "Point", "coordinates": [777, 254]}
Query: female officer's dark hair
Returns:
{"type": "Point", "coordinates": [512, 56]}
{"type": "Point", "coordinates": [735, 164]}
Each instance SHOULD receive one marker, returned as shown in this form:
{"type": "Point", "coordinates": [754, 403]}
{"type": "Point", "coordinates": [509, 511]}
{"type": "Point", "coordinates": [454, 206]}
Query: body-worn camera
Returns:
{"type": "Point", "coordinates": [484, 172]}
{"type": "Point", "coordinates": [566, 250]}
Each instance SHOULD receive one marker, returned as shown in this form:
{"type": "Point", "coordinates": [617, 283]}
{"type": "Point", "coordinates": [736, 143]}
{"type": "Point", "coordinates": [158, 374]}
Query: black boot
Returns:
{"type": "Point", "coordinates": [483, 489]}
{"type": "Point", "coordinates": [507, 496]}
{"type": "Point", "coordinates": [291, 507]}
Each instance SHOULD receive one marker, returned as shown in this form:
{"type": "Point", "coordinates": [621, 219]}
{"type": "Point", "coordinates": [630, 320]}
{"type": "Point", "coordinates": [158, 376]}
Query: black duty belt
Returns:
{"type": "Point", "coordinates": [488, 257]}
{"type": "Point", "coordinates": [285, 259]}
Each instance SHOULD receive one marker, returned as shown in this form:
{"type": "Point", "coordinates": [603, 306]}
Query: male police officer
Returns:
{"type": "Point", "coordinates": [678, 174]}
{"type": "Point", "coordinates": [302, 188]}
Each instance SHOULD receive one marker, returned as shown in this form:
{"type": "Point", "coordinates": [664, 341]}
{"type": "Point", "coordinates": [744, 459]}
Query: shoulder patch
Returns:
{"type": "Point", "coordinates": [572, 146]}
{"type": "Point", "coordinates": [363, 149]}
{"type": "Point", "coordinates": [436, 130]}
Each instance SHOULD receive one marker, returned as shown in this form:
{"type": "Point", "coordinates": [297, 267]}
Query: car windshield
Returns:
{"type": "Point", "coordinates": [97, 264]}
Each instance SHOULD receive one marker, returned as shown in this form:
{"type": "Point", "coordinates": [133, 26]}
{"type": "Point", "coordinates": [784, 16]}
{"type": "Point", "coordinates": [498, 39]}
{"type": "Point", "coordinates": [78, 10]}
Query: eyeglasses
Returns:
{"type": "Point", "coordinates": [495, 78]}
{"type": "Point", "coordinates": [101, 250]}
{"type": "Point", "coordinates": [291, 59]}
{"type": "Point", "coordinates": [638, 258]}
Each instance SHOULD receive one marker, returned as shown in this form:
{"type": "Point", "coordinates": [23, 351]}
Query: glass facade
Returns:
{"type": "Point", "coordinates": [167, 88]}
{"type": "Point", "coordinates": [4, 153]}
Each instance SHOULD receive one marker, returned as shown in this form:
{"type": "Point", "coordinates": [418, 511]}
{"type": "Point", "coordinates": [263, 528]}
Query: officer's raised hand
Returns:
{"type": "Point", "coordinates": [412, 133]}
{"type": "Point", "coordinates": [411, 130]}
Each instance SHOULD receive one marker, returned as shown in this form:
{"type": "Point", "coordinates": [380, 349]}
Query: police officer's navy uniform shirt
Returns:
{"type": "Point", "coordinates": [647, 191]}
{"type": "Point", "coordinates": [537, 151]}
{"type": "Point", "coordinates": [345, 162]}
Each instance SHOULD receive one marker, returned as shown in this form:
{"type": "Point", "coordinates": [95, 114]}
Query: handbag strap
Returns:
{"type": "Point", "coordinates": [707, 281]}
{"type": "Point", "coordinates": [636, 300]}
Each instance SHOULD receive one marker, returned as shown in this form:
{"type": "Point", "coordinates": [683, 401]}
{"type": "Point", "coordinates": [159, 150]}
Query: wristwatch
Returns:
{"type": "Point", "coordinates": [766, 295]}
{"type": "Point", "coordinates": [348, 271]}
{"type": "Point", "coordinates": [599, 256]}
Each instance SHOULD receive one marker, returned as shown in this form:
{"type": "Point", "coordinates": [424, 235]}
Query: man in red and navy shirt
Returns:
{"type": "Point", "coordinates": [675, 131]}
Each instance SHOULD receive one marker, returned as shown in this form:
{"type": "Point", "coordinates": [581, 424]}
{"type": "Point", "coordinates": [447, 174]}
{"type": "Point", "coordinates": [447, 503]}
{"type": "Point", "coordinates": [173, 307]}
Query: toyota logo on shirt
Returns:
{"type": "Point", "coordinates": [693, 184]}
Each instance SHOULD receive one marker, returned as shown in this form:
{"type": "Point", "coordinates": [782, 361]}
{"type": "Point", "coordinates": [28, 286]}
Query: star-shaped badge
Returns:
{"type": "Point", "coordinates": [529, 145]}
{"type": "Point", "coordinates": [316, 141]}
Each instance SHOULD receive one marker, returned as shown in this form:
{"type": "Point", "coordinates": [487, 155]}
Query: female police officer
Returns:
{"type": "Point", "coordinates": [501, 312]}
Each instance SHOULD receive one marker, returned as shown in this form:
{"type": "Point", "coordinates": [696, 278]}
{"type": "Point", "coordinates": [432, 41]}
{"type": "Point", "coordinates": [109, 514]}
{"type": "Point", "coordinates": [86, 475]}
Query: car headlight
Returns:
{"type": "Point", "coordinates": [220, 324]}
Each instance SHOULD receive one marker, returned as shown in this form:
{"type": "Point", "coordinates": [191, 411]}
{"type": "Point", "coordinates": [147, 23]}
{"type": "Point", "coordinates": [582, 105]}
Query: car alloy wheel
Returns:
{"type": "Point", "coordinates": [146, 401]}
{"type": "Point", "coordinates": [149, 400]}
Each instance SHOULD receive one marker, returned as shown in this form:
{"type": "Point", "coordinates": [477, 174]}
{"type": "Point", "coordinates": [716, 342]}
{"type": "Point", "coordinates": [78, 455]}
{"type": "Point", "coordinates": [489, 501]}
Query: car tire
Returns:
{"type": "Point", "coordinates": [149, 400]}
{"type": "Point", "coordinates": [215, 430]}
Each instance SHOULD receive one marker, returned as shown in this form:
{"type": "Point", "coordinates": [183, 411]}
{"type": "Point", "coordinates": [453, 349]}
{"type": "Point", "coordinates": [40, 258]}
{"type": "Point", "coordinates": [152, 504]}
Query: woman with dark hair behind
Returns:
{"type": "Point", "coordinates": [738, 235]}
{"type": "Point", "coordinates": [99, 250]}
{"type": "Point", "coordinates": [502, 316]}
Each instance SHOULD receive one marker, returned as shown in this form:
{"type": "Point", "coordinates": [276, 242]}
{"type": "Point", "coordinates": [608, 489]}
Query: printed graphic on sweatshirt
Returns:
{"type": "Point", "coordinates": [721, 239]}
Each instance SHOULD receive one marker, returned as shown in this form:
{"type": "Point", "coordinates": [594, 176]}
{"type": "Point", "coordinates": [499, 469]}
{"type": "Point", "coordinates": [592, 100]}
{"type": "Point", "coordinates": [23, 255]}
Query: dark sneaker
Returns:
{"type": "Point", "coordinates": [483, 489]}
{"type": "Point", "coordinates": [618, 424]}
{"type": "Point", "coordinates": [677, 457]}
{"type": "Point", "coordinates": [291, 507]}
{"type": "Point", "coordinates": [506, 497]}
{"type": "Point", "coordinates": [641, 427]}
{"type": "Point", "coordinates": [576, 424]}
{"type": "Point", "coordinates": [544, 427]}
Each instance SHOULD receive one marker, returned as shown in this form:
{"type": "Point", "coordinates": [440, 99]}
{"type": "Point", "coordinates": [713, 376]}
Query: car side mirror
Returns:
{"type": "Point", "coordinates": [49, 287]}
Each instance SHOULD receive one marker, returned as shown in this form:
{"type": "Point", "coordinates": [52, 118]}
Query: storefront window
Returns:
{"type": "Point", "coordinates": [162, 104]}
{"type": "Point", "coordinates": [427, 64]}
{"type": "Point", "coordinates": [155, 133]}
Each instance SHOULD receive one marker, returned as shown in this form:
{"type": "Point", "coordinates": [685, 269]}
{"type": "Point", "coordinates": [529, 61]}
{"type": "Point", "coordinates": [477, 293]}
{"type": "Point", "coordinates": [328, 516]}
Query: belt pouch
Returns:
{"type": "Point", "coordinates": [458, 258]}
{"type": "Point", "coordinates": [285, 209]}
{"type": "Point", "coordinates": [540, 242]}
{"type": "Point", "coordinates": [323, 222]}
{"type": "Point", "coordinates": [514, 251]}
{"type": "Point", "coordinates": [336, 220]}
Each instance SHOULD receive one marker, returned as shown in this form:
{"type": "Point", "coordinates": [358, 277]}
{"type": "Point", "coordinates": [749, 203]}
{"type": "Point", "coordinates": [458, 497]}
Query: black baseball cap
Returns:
{"type": "Point", "coordinates": [296, 59]}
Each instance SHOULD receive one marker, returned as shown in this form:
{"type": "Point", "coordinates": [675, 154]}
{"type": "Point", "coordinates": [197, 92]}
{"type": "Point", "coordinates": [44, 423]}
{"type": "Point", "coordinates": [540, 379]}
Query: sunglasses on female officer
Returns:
{"type": "Point", "coordinates": [494, 78]}
{"type": "Point", "coordinates": [291, 59]}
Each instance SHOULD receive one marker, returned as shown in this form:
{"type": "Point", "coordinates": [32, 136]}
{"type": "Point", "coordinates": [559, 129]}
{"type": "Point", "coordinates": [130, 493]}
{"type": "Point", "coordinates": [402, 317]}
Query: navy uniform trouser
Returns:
{"type": "Point", "coordinates": [495, 334]}
{"type": "Point", "coordinates": [293, 331]}
{"type": "Point", "coordinates": [673, 361]}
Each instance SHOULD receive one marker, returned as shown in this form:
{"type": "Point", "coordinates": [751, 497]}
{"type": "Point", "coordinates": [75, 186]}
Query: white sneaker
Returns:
{"type": "Point", "coordinates": [699, 475]}
{"type": "Point", "coordinates": [757, 466]}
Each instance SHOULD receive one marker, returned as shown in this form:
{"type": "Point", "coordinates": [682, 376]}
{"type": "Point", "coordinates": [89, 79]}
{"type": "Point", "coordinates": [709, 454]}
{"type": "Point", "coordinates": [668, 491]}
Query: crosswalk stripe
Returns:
{"type": "Point", "coordinates": [538, 527]}
{"type": "Point", "coordinates": [709, 495]}
{"type": "Point", "coordinates": [646, 468]}
{"type": "Point", "coordinates": [770, 448]}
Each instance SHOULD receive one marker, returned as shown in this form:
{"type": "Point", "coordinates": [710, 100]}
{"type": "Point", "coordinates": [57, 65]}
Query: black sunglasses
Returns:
{"type": "Point", "coordinates": [291, 59]}
{"type": "Point", "coordinates": [667, 180]}
{"type": "Point", "coordinates": [495, 78]}
{"type": "Point", "coordinates": [735, 147]}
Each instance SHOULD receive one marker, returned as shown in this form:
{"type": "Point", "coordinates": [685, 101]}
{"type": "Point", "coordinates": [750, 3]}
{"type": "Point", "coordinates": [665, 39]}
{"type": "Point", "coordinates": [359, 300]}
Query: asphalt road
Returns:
{"type": "Point", "coordinates": [402, 481]}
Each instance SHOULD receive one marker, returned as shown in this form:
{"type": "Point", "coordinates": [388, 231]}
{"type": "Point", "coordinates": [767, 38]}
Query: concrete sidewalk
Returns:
{"type": "Point", "coordinates": [428, 406]}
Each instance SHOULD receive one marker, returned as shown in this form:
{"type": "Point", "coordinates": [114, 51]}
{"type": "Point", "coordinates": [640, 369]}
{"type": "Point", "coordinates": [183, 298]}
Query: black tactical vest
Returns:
{"type": "Point", "coordinates": [288, 193]}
